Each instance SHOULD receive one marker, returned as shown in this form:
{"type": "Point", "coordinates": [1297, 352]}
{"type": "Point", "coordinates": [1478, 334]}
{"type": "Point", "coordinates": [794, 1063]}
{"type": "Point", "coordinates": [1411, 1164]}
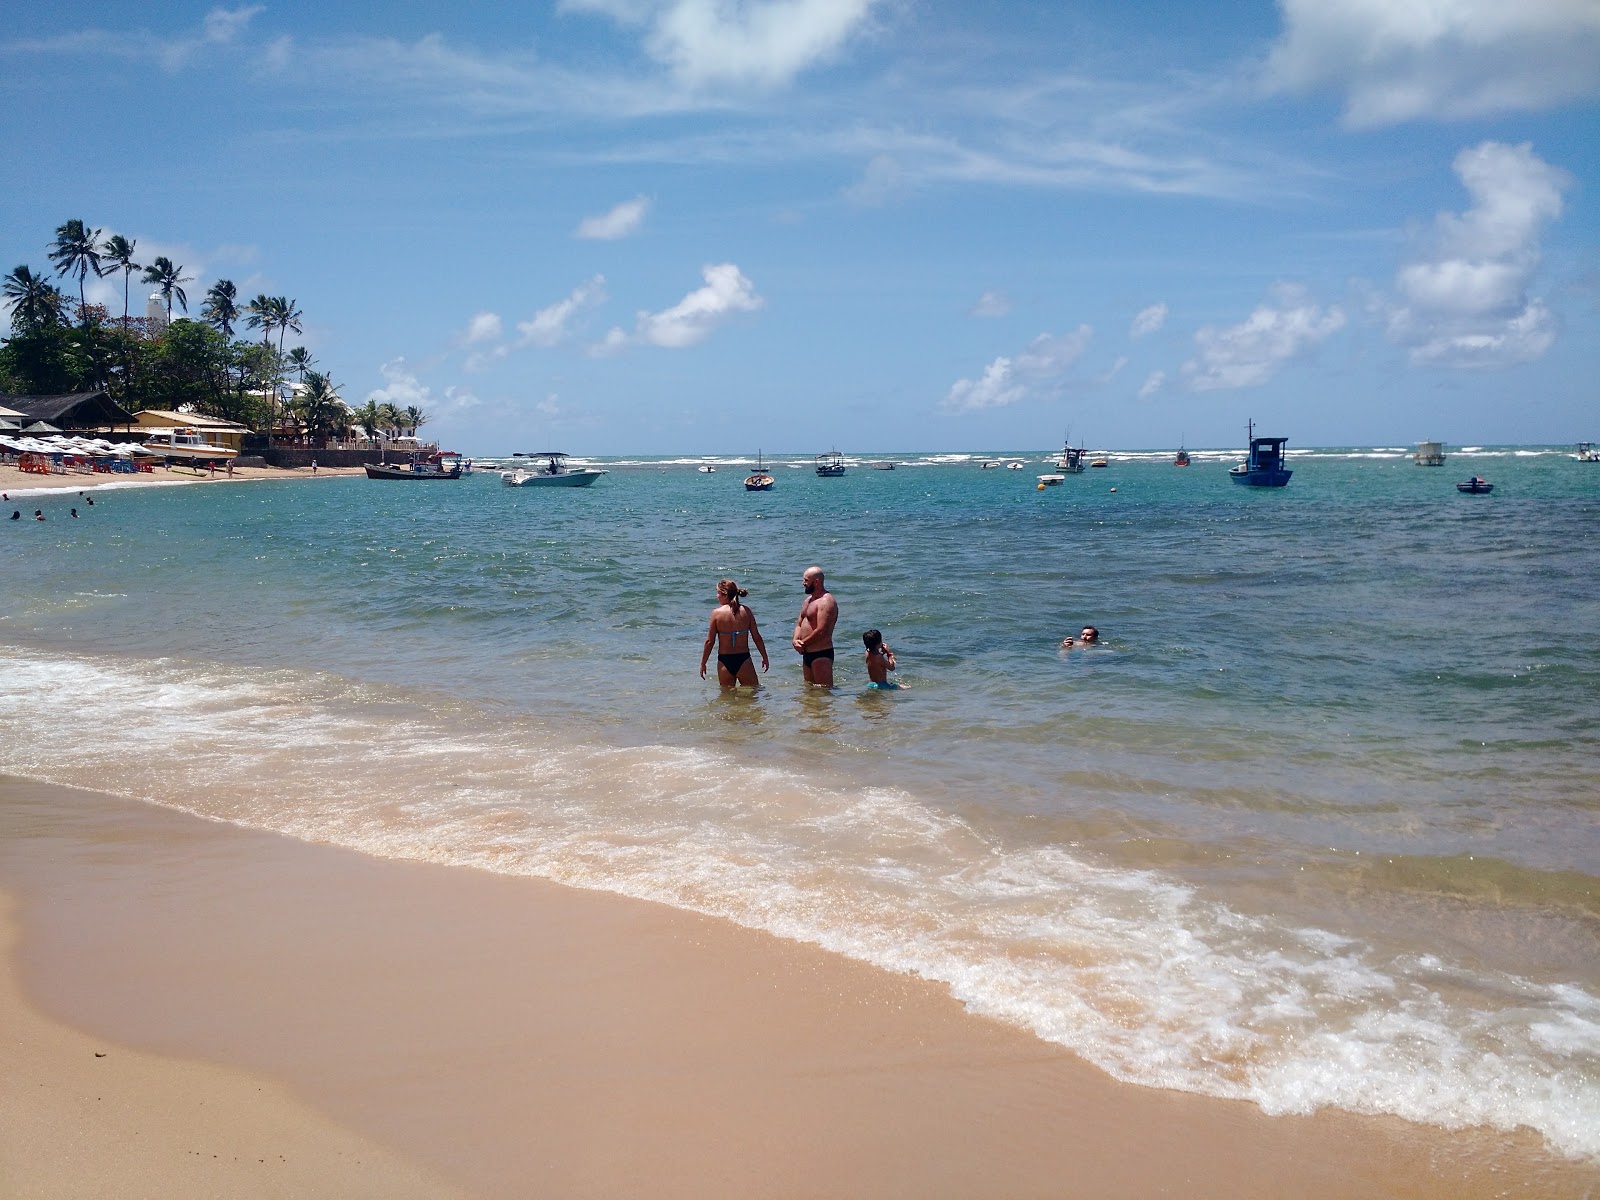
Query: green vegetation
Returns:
{"type": "Point", "coordinates": [181, 365]}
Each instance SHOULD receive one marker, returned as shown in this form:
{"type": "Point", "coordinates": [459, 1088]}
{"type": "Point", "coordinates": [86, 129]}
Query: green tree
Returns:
{"type": "Point", "coordinates": [415, 419]}
{"type": "Point", "coordinates": [390, 419]}
{"type": "Point", "coordinates": [170, 278]}
{"type": "Point", "coordinates": [221, 308]}
{"type": "Point", "coordinates": [76, 251]}
{"type": "Point", "coordinates": [320, 410]}
{"type": "Point", "coordinates": [260, 315]}
{"type": "Point", "coordinates": [118, 256]}
{"type": "Point", "coordinates": [301, 361]}
{"type": "Point", "coordinates": [368, 417]}
{"type": "Point", "coordinates": [286, 315]}
{"type": "Point", "coordinates": [35, 301]}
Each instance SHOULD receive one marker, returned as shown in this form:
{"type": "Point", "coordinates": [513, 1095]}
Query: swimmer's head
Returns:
{"type": "Point", "coordinates": [728, 591]}
{"type": "Point", "coordinates": [872, 639]}
{"type": "Point", "coordinates": [1089, 634]}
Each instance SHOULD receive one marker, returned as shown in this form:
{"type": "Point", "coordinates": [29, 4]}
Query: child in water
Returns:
{"type": "Point", "coordinates": [880, 661]}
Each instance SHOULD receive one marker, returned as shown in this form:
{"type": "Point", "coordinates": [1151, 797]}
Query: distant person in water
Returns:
{"type": "Point", "coordinates": [1090, 636]}
{"type": "Point", "coordinates": [74, 514]}
{"type": "Point", "coordinates": [733, 628]}
{"type": "Point", "coordinates": [16, 514]}
{"type": "Point", "coordinates": [880, 661]}
{"type": "Point", "coordinates": [38, 514]}
{"type": "Point", "coordinates": [813, 629]}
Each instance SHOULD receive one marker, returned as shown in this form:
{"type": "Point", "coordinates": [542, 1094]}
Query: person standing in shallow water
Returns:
{"type": "Point", "coordinates": [813, 629]}
{"type": "Point", "coordinates": [733, 628]}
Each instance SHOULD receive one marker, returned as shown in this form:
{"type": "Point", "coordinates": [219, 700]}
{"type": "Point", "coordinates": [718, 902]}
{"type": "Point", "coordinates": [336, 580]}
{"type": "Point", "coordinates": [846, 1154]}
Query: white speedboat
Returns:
{"type": "Point", "coordinates": [554, 472]}
{"type": "Point", "coordinates": [1051, 480]}
{"type": "Point", "coordinates": [187, 444]}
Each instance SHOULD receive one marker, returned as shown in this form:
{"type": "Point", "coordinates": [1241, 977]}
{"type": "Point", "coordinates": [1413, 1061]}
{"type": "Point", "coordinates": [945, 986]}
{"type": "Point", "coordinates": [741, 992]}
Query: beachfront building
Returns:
{"type": "Point", "coordinates": [75, 412]}
{"type": "Point", "coordinates": [219, 431]}
{"type": "Point", "coordinates": [12, 421]}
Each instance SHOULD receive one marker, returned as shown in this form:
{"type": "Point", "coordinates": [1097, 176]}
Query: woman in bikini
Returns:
{"type": "Point", "coordinates": [733, 627]}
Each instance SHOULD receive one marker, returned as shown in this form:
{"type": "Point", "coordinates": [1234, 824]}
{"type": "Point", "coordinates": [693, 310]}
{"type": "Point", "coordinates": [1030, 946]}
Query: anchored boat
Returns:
{"type": "Point", "coordinates": [830, 465]}
{"type": "Point", "coordinates": [554, 472]}
{"type": "Point", "coordinates": [442, 464]}
{"type": "Point", "coordinates": [758, 480]}
{"type": "Point", "coordinates": [1264, 466]}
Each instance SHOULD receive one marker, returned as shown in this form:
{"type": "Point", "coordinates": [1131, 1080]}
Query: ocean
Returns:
{"type": "Point", "coordinates": [1317, 824]}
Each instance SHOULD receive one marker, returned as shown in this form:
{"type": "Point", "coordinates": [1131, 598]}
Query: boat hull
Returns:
{"type": "Point", "coordinates": [191, 453]}
{"type": "Point", "coordinates": [567, 479]}
{"type": "Point", "coordinates": [383, 471]}
{"type": "Point", "coordinates": [1260, 478]}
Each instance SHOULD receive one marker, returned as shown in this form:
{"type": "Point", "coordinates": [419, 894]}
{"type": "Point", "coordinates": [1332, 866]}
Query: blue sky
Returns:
{"type": "Point", "coordinates": [707, 226]}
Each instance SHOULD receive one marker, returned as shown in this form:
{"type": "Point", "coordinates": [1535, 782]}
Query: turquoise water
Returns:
{"type": "Point", "coordinates": [1316, 825]}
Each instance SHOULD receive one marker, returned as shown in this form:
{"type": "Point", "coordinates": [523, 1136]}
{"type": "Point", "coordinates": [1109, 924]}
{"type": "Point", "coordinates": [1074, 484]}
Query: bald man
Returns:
{"type": "Point", "coordinates": [813, 629]}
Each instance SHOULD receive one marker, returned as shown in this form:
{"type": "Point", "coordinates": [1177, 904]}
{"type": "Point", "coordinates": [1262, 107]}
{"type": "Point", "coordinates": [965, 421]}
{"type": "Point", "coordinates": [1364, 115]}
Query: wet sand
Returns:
{"type": "Point", "coordinates": [512, 1037]}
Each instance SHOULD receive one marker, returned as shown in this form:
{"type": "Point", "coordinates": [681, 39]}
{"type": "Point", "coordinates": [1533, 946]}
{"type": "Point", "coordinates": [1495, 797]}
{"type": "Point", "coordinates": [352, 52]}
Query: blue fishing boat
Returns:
{"type": "Point", "coordinates": [1264, 467]}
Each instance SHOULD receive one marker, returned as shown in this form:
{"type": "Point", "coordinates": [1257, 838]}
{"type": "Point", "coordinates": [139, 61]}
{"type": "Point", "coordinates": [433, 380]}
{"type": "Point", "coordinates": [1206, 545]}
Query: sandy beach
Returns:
{"type": "Point", "coordinates": [326, 1023]}
{"type": "Point", "coordinates": [15, 482]}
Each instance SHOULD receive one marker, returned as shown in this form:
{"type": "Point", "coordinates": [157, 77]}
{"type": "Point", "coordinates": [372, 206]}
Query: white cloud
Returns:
{"type": "Point", "coordinates": [760, 42]}
{"type": "Point", "coordinates": [690, 320]}
{"type": "Point", "coordinates": [220, 27]}
{"type": "Point", "coordinates": [457, 397]}
{"type": "Point", "coordinates": [551, 326]}
{"type": "Point", "coordinates": [1463, 301]}
{"type": "Point", "coordinates": [401, 387]}
{"type": "Point", "coordinates": [1250, 353]}
{"type": "Point", "coordinates": [1399, 61]}
{"type": "Point", "coordinates": [484, 327]}
{"type": "Point", "coordinates": [1148, 320]}
{"type": "Point", "coordinates": [1156, 381]}
{"type": "Point", "coordinates": [882, 181]}
{"type": "Point", "coordinates": [992, 304]}
{"type": "Point", "coordinates": [1029, 375]}
{"type": "Point", "coordinates": [625, 219]}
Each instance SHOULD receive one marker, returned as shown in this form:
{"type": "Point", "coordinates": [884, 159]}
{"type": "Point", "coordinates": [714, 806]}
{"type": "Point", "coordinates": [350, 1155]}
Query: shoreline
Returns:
{"type": "Point", "coordinates": [14, 482]}
{"type": "Point", "coordinates": [513, 1036]}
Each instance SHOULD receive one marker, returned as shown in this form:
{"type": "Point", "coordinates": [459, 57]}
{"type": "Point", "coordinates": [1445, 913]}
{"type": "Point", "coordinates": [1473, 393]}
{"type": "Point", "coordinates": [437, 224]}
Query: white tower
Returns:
{"type": "Point", "coordinates": [155, 313]}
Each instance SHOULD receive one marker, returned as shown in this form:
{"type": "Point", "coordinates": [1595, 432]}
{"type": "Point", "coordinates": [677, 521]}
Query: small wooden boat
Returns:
{"type": "Point", "coordinates": [1264, 466]}
{"type": "Point", "coordinates": [1182, 460]}
{"type": "Point", "coordinates": [1476, 486]}
{"type": "Point", "coordinates": [758, 480]}
{"type": "Point", "coordinates": [830, 465]}
{"type": "Point", "coordinates": [439, 465]}
{"type": "Point", "coordinates": [554, 473]}
{"type": "Point", "coordinates": [882, 465]}
{"type": "Point", "coordinates": [1100, 459]}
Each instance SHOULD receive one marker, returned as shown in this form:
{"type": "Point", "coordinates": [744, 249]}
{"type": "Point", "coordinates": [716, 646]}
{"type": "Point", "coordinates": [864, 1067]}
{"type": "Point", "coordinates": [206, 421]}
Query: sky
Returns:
{"type": "Point", "coordinates": [617, 227]}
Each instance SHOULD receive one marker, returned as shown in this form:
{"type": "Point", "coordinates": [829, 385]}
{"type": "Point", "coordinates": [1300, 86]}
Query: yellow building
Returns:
{"type": "Point", "coordinates": [219, 431]}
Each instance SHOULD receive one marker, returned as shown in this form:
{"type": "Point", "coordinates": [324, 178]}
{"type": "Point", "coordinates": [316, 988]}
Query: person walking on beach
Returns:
{"type": "Point", "coordinates": [813, 629]}
{"type": "Point", "coordinates": [733, 628]}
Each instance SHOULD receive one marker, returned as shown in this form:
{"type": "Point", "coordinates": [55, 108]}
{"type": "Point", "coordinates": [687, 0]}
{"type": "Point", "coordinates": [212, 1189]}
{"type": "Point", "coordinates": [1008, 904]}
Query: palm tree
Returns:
{"type": "Point", "coordinates": [170, 278]}
{"type": "Point", "coordinates": [286, 316]}
{"type": "Point", "coordinates": [118, 255]}
{"type": "Point", "coordinates": [301, 360]}
{"type": "Point", "coordinates": [76, 251]}
{"type": "Point", "coordinates": [261, 316]}
{"type": "Point", "coordinates": [389, 418]}
{"type": "Point", "coordinates": [221, 308]}
{"type": "Point", "coordinates": [35, 301]}
{"type": "Point", "coordinates": [321, 409]}
{"type": "Point", "coordinates": [416, 418]}
{"type": "Point", "coordinates": [368, 416]}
